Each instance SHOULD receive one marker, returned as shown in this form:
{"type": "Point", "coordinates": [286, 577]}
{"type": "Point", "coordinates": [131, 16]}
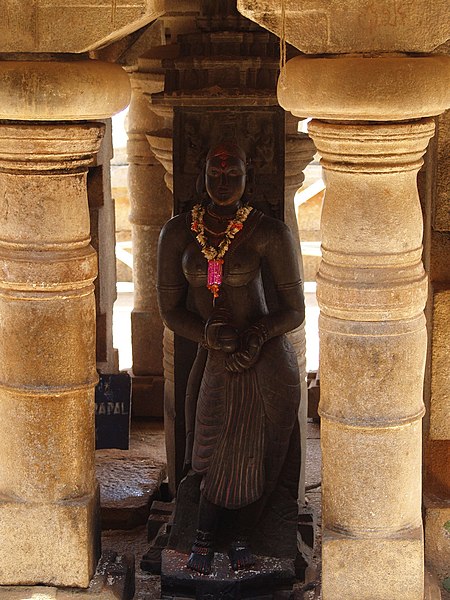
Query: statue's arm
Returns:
{"type": "Point", "coordinates": [172, 286]}
{"type": "Point", "coordinates": [277, 247]}
{"type": "Point", "coordinates": [282, 258]}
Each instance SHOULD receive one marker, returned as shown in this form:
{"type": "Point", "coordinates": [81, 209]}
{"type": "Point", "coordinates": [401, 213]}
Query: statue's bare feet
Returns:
{"type": "Point", "coordinates": [202, 554]}
{"type": "Point", "coordinates": [241, 557]}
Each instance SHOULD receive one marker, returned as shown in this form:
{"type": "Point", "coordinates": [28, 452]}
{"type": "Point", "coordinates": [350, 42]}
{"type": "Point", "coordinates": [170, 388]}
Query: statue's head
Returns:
{"type": "Point", "coordinates": [225, 174]}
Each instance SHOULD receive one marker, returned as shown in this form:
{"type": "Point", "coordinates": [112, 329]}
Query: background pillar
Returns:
{"type": "Point", "coordinates": [434, 188]}
{"type": "Point", "coordinates": [299, 152]}
{"type": "Point", "coordinates": [151, 207]}
{"type": "Point", "coordinates": [101, 213]}
{"type": "Point", "coordinates": [48, 493]}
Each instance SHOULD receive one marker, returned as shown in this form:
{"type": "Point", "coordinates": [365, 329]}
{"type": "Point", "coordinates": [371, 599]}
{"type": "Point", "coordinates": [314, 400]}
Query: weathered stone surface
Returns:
{"type": "Point", "coordinates": [347, 26]}
{"type": "Point", "coordinates": [440, 372]}
{"type": "Point", "coordinates": [113, 580]}
{"type": "Point", "coordinates": [51, 542]}
{"type": "Point", "coordinates": [76, 26]}
{"type": "Point", "coordinates": [371, 290]}
{"type": "Point", "coordinates": [49, 497]}
{"type": "Point", "coordinates": [47, 371]}
{"type": "Point", "coordinates": [357, 88]}
{"type": "Point", "coordinates": [101, 210]}
{"type": "Point", "coordinates": [151, 203]}
{"type": "Point", "coordinates": [441, 216]}
{"type": "Point", "coordinates": [61, 90]}
{"type": "Point", "coordinates": [267, 576]}
{"type": "Point", "coordinates": [128, 484]}
{"type": "Point", "coordinates": [299, 150]}
{"type": "Point", "coordinates": [437, 538]}
{"type": "Point", "coordinates": [376, 567]}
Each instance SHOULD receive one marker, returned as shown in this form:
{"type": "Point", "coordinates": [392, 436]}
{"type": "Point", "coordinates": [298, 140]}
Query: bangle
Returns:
{"type": "Point", "coordinates": [261, 331]}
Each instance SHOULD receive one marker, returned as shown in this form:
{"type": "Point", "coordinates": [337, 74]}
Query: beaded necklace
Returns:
{"type": "Point", "coordinates": [214, 256]}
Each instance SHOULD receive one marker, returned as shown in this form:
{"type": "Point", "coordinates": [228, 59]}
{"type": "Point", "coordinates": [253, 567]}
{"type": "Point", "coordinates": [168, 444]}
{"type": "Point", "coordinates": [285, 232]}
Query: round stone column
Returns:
{"type": "Point", "coordinates": [49, 528]}
{"type": "Point", "coordinates": [372, 289]}
{"type": "Point", "coordinates": [151, 207]}
{"type": "Point", "coordinates": [299, 152]}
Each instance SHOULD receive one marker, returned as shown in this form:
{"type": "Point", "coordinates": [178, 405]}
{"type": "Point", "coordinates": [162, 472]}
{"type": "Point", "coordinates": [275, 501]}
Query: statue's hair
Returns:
{"type": "Point", "coordinates": [227, 148]}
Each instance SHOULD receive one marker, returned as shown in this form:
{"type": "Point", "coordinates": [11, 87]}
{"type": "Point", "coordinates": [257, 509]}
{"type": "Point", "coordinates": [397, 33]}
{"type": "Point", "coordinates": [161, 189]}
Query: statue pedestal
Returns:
{"type": "Point", "coordinates": [269, 579]}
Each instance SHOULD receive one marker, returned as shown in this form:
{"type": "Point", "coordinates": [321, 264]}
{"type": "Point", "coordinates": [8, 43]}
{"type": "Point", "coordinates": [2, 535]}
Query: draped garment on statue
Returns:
{"type": "Point", "coordinates": [243, 423]}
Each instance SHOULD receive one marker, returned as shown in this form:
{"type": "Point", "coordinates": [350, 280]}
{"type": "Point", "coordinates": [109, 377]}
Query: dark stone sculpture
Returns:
{"type": "Point", "coordinates": [228, 280]}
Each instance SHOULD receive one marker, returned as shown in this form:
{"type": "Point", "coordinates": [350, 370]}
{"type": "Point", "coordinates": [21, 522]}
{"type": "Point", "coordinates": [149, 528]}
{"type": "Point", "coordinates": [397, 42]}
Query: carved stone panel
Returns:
{"type": "Point", "coordinates": [260, 132]}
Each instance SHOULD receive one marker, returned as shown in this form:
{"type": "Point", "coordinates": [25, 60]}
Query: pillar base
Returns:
{"type": "Point", "coordinates": [147, 396]}
{"type": "Point", "coordinates": [113, 580]}
{"type": "Point", "coordinates": [65, 534]}
{"type": "Point", "coordinates": [373, 568]}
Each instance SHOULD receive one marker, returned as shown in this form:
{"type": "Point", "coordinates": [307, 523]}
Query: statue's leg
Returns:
{"type": "Point", "coordinates": [202, 553]}
{"type": "Point", "coordinates": [240, 554]}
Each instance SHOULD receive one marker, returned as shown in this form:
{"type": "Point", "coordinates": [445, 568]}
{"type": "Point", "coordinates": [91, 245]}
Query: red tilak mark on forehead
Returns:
{"type": "Point", "coordinates": [223, 164]}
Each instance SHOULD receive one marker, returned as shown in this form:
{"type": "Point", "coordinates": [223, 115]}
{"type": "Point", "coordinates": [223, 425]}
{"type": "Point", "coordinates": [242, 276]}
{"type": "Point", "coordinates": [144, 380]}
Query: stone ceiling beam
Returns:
{"type": "Point", "coordinates": [346, 26]}
{"type": "Point", "coordinates": [72, 26]}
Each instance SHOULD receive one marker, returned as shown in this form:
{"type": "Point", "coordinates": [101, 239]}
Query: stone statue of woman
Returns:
{"type": "Point", "coordinates": [215, 266]}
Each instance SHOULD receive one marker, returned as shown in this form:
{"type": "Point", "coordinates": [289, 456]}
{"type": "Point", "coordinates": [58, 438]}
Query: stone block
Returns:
{"type": "Point", "coordinates": [128, 485]}
{"type": "Point", "coordinates": [439, 263]}
{"type": "Point", "coordinates": [348, 26]}
{"type": "Point", "coordinates": [374, 568]}
{"type": "Point", "coordinates": [437, 472]}
{"type": "Point", "coordinates": [74, 27]}
{"type": "Point", "coordinates": [147, 393]}
{"type": "Point", "coordinates": [41, 453]}
{"type": "Point", "coordinates": [161, 513]}
{"type": "Point", "coordinates": [440, 373]}
{"type": "Point", "coordinates": [52, 543]}
{"type": "Point", "coordinates": [146, 337]}
{"type": "Point", "coordinates": [371, 490]}
{"type": "Point", "coordinates": [113, 580]}
{"type": "Point", "coordinates": [441, 215]}
{"type": "Point", "coordinates": [437, 539]}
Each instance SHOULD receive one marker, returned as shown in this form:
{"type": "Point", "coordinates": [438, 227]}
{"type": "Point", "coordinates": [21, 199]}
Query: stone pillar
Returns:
{"type": "Point", "coordinates": [151, 206]}
{"type": "Point", "coordinates": [372, 290]}
{"type": "Point", "coordinates": [48, 493]}
{"type": "Point", "coordinates": [101, 213]}
{"type": "Point", "coordinates": [299, 152]}
{"type": "Point", "coordinates": [435, 194]}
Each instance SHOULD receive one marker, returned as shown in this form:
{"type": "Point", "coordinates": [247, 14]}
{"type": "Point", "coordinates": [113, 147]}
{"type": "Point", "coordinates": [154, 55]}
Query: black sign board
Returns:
{"type": "Point", "coordinates": [112, 411]}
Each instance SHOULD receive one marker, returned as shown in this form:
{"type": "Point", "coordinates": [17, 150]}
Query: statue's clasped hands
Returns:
{"type": "Point", "coordinates": [243, 350]}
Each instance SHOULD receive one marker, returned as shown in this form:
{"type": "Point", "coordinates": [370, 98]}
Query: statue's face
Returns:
{"type": "Point", "coordinates": [225, 178]}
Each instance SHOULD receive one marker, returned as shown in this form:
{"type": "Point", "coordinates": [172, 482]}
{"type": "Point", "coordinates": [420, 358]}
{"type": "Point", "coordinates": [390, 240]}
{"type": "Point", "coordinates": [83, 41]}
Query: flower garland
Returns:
{"type": "Point", "coordinates": [214, 256]}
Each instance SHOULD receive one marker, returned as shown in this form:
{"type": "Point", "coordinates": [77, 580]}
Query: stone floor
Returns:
{"type": "Point", "coordinates": [130, 480]}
